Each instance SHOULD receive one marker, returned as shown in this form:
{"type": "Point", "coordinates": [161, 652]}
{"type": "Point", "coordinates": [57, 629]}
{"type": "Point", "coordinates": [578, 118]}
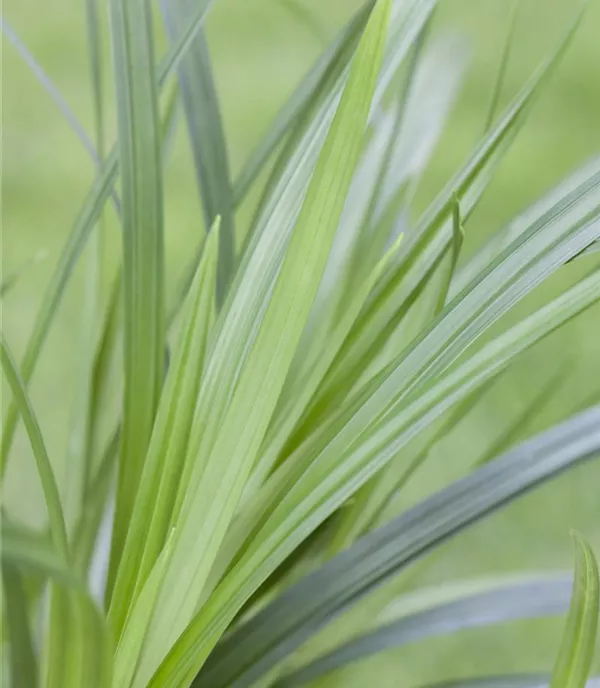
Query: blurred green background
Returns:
{"type": "Point", "coordinates": [260, 51]}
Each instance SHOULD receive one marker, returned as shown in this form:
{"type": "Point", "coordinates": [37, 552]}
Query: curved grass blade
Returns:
{"type": "Point", "coordinates": [506, 681]}
{"type": "Point", "coordinates": [207, 138]}
{"type": "Point", "coordinates": [574, 660]}
{"type": "Point", "coordinates": [44, 467]}
{"type": "Point", "coordinates": [307, 19]}
{"type": "Point", "coordinates": [51, 89]}
{"type": "Point", "coordinates": [470, 607]}
{"type": "Point", "coordinates": [321, 596]}
{"type": "Point", "coordinates": [268, 529]}
{"type": "Point", "coordinates": [138, 131]}
{"type": "Point", "coordinates": [372, 499]}
{"type": "Point", "coordinates": [54, 93]}
{"type": "Point", "coordinates": [21, 653]}
{"type": "Point", "coordinates": [533, 409]}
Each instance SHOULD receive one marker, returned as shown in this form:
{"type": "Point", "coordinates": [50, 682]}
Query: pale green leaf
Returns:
{"type": "Point", "coordinates": [156, 492]}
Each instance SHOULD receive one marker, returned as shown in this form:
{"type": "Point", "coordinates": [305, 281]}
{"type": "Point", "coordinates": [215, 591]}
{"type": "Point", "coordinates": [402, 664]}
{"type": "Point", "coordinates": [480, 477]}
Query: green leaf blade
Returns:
{"type": "Point", "coordinates": [143, 289]}
{"type": "Point", "coordinates": [207, 138]}
{"type": "Point", "coordinates": [574, 660]}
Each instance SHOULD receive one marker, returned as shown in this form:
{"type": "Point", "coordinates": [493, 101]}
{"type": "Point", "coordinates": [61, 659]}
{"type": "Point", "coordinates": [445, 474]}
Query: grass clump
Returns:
{"type": "Point", "coordinates": [256, 462]}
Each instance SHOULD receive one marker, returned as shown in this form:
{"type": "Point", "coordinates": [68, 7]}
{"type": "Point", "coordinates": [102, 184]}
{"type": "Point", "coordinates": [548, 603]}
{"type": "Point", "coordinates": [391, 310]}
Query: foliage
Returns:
{"type": "Point", "coordinates": [313, 370]}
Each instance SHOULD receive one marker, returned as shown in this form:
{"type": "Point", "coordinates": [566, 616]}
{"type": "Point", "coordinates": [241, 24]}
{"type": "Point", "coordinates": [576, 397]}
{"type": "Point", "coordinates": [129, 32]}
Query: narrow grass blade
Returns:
{"type": "Point", "coordinates": [97, 493]}
{"type": "Point", "coordinates": [207, 138]}
{"type": "Point", "coordinates": [312, 88]}
{"type": "Point", "coordinates": [143, 288]}
{"type": "Point", "coordinates": [506, 681]}
{"type": "Point", "coordinates": [498, 242]}
{"type": "Point", "coordinates": [21, 653]}
{"type": "Point", "coordinates": [60, 102]}
{"type": "Point", "coordinates": [307, 19]}
{"type": "Point", "coordinates": [373, 499]}
{"type": "Point", "coordinates": [51, 89]}
{"type": "Point", "coordinates": [469, 607]}
{"type": "Point", "coordinates": [11, 280]}
{"type": "Point", "coordinates": [34, 552]}
{"type": "Point", "coordinates": [156, 493]}
{"type": "Point", "coordinates": [514, 432]}
{"type": "Point", "coordinates": [212, 500]}
{"type": "Point", "coordinates": [44, 467]}
{"type": "Point", "coordinates": [574, 660]}
{"type": "Point", "coordinates": [499, 82]}
{"type": "Point", "coordinates": [288, 621]}
{"type": "Point", "coordinates": [94, 34]}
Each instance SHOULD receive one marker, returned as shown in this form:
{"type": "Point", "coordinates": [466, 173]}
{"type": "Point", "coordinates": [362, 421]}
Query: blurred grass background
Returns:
{"type": "Point", "coordinates": [260, 51]}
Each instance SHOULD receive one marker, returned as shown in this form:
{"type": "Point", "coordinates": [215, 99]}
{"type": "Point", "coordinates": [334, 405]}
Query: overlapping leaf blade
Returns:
{"type": "Point", "coordinates": [283, 625]}
{"type": "Point", "coordinates": [155, 499]}
{"type": "Point", "coordinates": [211, 501]}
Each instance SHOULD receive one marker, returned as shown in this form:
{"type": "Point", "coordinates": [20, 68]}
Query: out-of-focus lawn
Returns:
{"type": "Point", "coordinates": [260, 51]}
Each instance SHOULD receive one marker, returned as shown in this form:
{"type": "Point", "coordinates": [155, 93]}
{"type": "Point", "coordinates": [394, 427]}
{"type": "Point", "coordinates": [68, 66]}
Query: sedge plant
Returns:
{"type": "Point", "coordinates": [273, 411]}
